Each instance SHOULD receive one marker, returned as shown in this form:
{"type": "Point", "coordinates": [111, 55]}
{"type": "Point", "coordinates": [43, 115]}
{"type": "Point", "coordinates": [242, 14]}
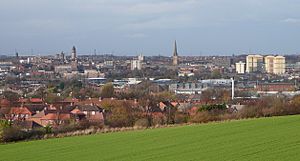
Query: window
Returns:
{"type": "Point", "coordinates": [93, 112]}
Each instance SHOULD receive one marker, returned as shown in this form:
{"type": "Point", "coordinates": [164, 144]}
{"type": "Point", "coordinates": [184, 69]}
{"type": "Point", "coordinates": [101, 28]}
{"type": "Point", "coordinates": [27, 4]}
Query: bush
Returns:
{"type": "Point", "coordinates": [15, 133]}
{"type": "Point", "coordinates": [213, 107]}
{"type": "Point", "coordinates": [11, 134]}
{"type": "Point", "coordinates": [180, 118]}
{"type": "Point", "coordinates": [251, 112]}
{"type": "Point", "coordinates": [159, 120]}
{"type": "Point", "coordinates": [142, 123]}
{"type": "Point", "coordinates": [48, 129]}
{"type": "Point", "coordinates": [201, 117]}
{"type": "Point", "coordinates": [3, 125]}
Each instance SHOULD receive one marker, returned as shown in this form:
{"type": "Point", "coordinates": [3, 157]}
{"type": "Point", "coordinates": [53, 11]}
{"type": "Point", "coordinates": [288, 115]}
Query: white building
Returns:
{"type": "Point", "coordinates": [254, 63]}
{"type": "Point", "coordinates": [187, 88]}
{"type": "Point", "coordinates": [141, 57]}
{"type": "Point", "coordinates": [240, 67]}
{"type": "Point", "coordinates": [136, 65]}
{"type": "Point", "coordinates": [63, 69]}
{"type": "Point", "coordinates": [275, 64]}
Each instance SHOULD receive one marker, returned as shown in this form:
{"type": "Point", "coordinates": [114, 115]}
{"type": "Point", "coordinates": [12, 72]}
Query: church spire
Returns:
{"type": "Point", "coordinates": [175, 49]}
{"type": "Point", "coordinates": [175, 55]}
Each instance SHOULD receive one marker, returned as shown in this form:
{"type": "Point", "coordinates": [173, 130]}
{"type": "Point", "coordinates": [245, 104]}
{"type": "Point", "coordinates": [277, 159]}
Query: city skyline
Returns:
{"type": "Point", "coordinates": [150, 27]}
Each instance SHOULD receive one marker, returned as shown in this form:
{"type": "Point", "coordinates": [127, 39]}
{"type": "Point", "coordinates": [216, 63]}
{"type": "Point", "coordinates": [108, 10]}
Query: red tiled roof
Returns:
{"type": "Point", "coordinates": [23, 100]}
{"type": "Point", "coordinates": [76, 111]}
{"type": "Point", "coordinates": [174, 103]}
{"type": "Point", "coordinates": [20, 110]}
{"type": "Point", "coordinates": [4, 102]}
{"type": "Point", "coordinates": [71, 100]}
{"type": "Point", "coordinates": [36, 100]}
{"type": "Point", "coordinates": [53, 116]}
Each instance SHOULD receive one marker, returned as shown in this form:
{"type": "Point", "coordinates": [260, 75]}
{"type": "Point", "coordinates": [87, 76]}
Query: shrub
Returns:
{"type": "Point", "coordinates": [213, 107]}
{"type": "Point", "coordinates": [11, 134]}
{"type": "Point", "coordinates": [143, 122]}
{"type": "Point", "coordinates": [180, 118]}
{"type": "Point", "coordinates": [159, 120]}
{"type": "Point", "coordinates": [48, 129]}
{"type": "Point", "coordinates": [3, 125]}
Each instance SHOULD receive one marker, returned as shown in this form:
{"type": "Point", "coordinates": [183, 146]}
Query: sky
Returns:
{"type": "Point", "coordinates": [130, 27]}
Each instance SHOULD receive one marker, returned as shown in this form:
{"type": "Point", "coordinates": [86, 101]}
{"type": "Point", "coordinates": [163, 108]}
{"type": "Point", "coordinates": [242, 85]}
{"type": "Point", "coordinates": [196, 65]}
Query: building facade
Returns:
{"type": "Point", "coordinates": [254, 63]}
{"type": "Point", "coordinates": [136, 65]}
{"type": "Point", "coordinates": [275, 64]}
{"type": "Point", "coordinates": [240, 67]}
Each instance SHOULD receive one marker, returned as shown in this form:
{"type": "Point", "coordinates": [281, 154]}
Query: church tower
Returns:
{"type": "Point", "coordinates": [175, 54]}
{"type": "Point", "coordinates": [73, 56]}
{"type": "Point", "coordinates": [74, 59]}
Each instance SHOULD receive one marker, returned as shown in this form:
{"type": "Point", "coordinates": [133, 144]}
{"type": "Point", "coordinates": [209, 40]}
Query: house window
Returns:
{"type": "Point", "coordinates": [85, 112]}
{"type": "Point", "coordinates": [93, 112]}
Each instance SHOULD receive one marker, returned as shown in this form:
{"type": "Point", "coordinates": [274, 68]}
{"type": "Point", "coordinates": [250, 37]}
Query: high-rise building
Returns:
{"type": "Point", "coordinates": [275, 64]}
{"type": "Point", "coordinates": [240, 67]}
{"type": "Point", "coordinates": [175, 54]}
{"type": "Point", "coordinates": [254, 63]}
{"type": "Point", "coordinates": [279, 65]}
{"type": "Point", "coordinates": [62, 56]}
{"type": "Point", "coordinates": [269, 64]}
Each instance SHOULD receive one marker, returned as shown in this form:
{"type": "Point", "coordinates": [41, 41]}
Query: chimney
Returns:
{"type": "Point", "coordinates": [232, 88]}
{"type": "Point", "coordinates": [135, 101]}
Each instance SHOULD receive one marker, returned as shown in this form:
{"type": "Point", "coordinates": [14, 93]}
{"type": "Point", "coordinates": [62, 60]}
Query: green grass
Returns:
{"type": "Point", "coordinates": [263, 139]}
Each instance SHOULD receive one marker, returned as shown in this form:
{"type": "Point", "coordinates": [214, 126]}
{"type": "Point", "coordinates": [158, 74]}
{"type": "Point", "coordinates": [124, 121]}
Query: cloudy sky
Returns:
{"type": "Point", "coordinates": [128, 27]}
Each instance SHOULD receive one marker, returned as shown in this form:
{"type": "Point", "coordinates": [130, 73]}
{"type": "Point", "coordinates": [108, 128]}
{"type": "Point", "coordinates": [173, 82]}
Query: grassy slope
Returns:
{"type": "Point", "coordinates": [259, 139]}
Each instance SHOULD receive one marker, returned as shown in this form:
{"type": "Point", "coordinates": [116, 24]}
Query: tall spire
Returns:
{"type": "Point", "coordinates": [175, 49]}
{"type": "Point", "coordinates": [175, 55]}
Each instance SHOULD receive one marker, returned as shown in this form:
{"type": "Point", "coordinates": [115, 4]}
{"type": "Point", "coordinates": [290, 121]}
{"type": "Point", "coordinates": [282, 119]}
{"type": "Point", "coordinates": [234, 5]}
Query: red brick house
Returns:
{"type": "Point", "coordinates": [19, 113]}
{"type": "Point", "coordinates": [89, 112]}
{"type": "Point", "coordinates": [54, 119]}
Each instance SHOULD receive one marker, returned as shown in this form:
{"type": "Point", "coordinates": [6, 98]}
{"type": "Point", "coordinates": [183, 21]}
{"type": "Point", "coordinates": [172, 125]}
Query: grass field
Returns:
{"type": "Point", "coordinates": [265, 139]}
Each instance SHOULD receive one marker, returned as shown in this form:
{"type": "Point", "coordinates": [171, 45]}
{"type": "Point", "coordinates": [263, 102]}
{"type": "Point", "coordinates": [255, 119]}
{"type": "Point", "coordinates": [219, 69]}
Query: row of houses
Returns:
{"type": "Point", "coordinates": [43, 115]}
